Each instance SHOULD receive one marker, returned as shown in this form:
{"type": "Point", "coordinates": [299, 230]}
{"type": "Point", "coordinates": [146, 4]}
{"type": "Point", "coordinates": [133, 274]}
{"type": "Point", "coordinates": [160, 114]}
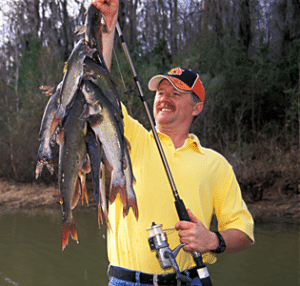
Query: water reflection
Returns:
{"type": "Point", "coordinates": [30, 253]}
{"type": "Point", "coordinates": [30, 250]}
{"type": "Point", "coordinates": [274, 259]}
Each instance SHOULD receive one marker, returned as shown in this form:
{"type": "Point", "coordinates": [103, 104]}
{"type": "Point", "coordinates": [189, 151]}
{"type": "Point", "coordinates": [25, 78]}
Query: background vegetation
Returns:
{"type": "Point", "coordinates": [247, 53]}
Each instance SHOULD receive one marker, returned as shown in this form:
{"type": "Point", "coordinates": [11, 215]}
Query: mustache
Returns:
{"type": "Point", "coordinates": [165, 104]}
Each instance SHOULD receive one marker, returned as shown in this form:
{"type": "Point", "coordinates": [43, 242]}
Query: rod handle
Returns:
{"type": "Point", "coordinates": [181, 210]}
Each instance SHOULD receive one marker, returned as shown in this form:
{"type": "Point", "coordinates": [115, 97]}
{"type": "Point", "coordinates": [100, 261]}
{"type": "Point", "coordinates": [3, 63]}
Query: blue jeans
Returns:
{"type": "Point", "coordinates": [118, 282]}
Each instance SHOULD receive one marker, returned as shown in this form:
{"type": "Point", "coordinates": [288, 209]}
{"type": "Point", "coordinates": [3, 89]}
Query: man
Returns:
{"type": "Point", "coordinates": [204, 179]}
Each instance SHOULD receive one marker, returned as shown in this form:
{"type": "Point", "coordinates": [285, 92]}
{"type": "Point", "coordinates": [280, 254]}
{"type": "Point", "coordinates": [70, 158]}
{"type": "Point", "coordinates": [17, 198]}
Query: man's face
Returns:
{"type": "Point", "coordinates": [172, 107]}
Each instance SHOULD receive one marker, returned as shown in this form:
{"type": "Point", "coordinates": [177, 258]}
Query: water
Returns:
{"type": "Point", "coordinates": [30, 253]}
{"type": "Point", "coordinates": [30, 250]}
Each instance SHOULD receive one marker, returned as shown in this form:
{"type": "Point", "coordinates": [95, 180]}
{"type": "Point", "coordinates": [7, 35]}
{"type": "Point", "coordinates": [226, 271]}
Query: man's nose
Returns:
{"type": "Point", "coordinates": [165, 96]}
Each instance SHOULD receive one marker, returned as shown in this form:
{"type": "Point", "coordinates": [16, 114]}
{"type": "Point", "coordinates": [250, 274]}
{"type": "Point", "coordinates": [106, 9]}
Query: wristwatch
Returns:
{"type": "Point", "coordinates": [222, 245]}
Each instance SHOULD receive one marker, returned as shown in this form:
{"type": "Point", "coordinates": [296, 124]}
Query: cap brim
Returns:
{"type": "Point", "coordinates": [155, 81]}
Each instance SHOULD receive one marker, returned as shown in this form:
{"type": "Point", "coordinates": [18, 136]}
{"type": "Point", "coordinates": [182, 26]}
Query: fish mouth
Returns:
{"type": "Point", "coordinates": [165, 106]}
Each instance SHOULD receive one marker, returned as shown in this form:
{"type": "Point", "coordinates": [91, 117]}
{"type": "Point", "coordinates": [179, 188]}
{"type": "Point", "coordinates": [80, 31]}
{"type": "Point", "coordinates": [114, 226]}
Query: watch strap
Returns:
{"type": "Point", "coordinates": [222, 245]}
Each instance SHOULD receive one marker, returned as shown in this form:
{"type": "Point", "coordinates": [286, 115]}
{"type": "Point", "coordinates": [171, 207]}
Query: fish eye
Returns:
{"type": "Point", "coordinates": [87, 88]}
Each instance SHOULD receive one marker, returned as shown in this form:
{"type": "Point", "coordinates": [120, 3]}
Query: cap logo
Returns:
{"type": "Point", "coordinates": [176, 71]}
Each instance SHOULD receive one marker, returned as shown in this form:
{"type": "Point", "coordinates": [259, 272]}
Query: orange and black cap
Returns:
{"type": "Point", "coordinates": [183, 79]}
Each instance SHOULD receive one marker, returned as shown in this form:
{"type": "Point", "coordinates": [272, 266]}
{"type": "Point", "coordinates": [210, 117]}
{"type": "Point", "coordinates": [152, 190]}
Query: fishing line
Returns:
{"type": "Point", "coordinates": [119, 68]}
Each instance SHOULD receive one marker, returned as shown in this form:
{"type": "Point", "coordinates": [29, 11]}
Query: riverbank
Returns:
{"type": "Point", "coordinates": [20, 196]}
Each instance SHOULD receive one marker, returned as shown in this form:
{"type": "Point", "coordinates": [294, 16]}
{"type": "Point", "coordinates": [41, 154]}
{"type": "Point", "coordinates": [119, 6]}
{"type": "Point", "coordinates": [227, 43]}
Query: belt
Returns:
{"type": "Point", "coordinates": [145, 278]}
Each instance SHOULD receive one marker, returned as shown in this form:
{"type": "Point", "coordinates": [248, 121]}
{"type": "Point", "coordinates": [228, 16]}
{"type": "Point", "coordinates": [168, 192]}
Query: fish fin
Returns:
{"type": "Point", "coordinates": [86, 166]}
{"type": "Point", "coordinates": [127, 144]}
{"type": "Point", "coordinates": [95, 120]}
{"type": "Point", "coordinates": [102, 213]}
{"type": "Point", "coordinates": [91, 52]}
{"type": "Point", "coordinates": [47, 90]}
{"type": "Point", "coordinates": [60, 137]}
{"type": "Point", "coordinates": [66, 66]}
{"type": "Point", "coordinates": [54, 125]}
{"type": "Point", "coordinates": [84, 193]}
{"type": "Point", "coordinates": [80, 30]}
{"type": "Point", "coordinates": [107, 221]}
{"type": "Point", "coordinates": [100, 217]}
{"type": "Point", "coordinates": [66, 230]}
{"type": "Point", "coordinates": [61, 200]}
{"type": "Point", "coordinates": [85, 113]}
{"type": "Point", "coordinates": [76, 194]}
{"type": "Point", "coordinates": [125, 165]}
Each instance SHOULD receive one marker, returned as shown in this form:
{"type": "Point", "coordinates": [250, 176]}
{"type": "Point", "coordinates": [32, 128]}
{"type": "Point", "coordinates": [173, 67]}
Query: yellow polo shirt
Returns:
{"type": "Point", "coordinates": [205, 182]}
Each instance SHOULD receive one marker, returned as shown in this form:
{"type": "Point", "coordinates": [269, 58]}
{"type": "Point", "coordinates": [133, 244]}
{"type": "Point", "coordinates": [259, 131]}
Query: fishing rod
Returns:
{"type": "Point", "coordinates": [179, 204]}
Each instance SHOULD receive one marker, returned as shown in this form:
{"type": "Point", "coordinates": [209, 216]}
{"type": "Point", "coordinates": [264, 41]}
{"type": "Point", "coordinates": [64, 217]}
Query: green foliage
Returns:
{"type": "Point", "coordinates": [246, 97]}
{"type": "Point", "coordinates": [22, 106]}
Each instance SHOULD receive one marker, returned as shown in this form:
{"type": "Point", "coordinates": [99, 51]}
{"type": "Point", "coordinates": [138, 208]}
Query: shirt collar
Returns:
{"type": "Point", "coordinates": [192, 141]}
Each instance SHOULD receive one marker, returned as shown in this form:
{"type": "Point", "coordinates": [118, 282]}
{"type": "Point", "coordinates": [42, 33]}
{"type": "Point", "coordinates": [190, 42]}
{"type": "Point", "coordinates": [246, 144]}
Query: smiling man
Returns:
{"type": "Point", "coordinates": [177, 102]}
{"type": "Point", "coordinates": [204, 179]}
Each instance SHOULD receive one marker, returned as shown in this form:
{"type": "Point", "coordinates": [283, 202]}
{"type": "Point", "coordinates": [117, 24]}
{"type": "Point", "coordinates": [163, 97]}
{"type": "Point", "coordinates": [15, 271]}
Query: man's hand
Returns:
{"type": "Point", "coordinates": [195, 235]}
{"type": "Point", "coordinates": [109, 11]}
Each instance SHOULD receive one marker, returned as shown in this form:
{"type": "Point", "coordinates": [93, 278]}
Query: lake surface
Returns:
{"type": "Point", "coordinates": [30, 253]}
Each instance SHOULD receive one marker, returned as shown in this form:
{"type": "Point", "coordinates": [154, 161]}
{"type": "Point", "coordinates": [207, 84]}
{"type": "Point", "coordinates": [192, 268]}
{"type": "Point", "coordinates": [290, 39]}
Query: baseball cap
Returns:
{"type": "Point", "coordinates": [183, 79]}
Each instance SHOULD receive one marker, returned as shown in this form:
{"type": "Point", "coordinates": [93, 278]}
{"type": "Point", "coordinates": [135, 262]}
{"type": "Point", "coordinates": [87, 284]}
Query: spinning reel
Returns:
{"type": "Point", "coordinates": [158, 241]}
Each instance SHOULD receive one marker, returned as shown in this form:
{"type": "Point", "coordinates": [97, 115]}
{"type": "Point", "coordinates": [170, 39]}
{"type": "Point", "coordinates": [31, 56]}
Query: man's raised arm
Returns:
{"type": "Point", "coordinates": [109, 11]}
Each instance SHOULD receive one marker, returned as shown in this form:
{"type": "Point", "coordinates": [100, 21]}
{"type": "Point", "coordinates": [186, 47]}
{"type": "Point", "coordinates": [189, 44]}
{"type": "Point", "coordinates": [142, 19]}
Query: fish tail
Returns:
{"type": "Point", "coordinates": [133, 204]}
{"type": "Point", "coordinates": [41, 162]}
{"type": "Point", "coordinates": [66, 230]}
{"type": "Point", "coordinates": [114, 190]}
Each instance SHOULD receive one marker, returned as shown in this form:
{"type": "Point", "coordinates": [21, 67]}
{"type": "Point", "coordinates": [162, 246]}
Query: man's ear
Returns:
{"type": "Point", "coordinates": [197, 108]}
